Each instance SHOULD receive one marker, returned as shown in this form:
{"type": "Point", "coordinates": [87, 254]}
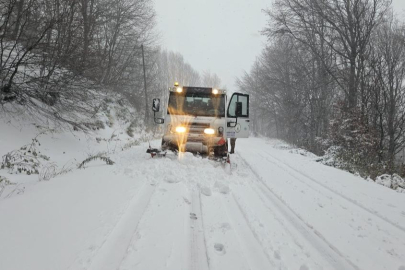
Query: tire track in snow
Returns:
{"type": "Point", "coordinates": [198, 247]}
{"type": "Point", "coordinates": [328, 251]}
{"type": "Point", "coordinates": [114, 249]}
{"type": "Point", "coordinates": [282, 165]}
{"type": "Point", "coordinates": [249, 242]}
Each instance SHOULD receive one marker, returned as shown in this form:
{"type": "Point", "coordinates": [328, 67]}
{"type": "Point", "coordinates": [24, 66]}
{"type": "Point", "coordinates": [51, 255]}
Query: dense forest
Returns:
{"type": "Point", "coordinates": [332, 79]}
{"type": "Point", "coordinates": [60, 59]}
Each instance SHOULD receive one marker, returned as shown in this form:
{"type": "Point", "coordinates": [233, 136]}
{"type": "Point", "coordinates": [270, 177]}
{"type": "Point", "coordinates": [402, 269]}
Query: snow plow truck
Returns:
{"type": "Point", "coordinates": [201, 119]}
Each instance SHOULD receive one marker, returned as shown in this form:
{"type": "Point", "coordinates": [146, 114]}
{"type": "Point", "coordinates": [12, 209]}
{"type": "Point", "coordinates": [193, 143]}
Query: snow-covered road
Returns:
{"type": "Point", "coordinates": [276, 209]}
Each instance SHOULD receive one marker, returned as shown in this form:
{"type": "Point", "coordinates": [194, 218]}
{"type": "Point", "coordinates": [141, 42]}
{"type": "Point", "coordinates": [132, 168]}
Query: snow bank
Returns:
{"type": "Point", "coordinates": [32, 149]}
{"type": "Point", "coordinates": [394, 181]}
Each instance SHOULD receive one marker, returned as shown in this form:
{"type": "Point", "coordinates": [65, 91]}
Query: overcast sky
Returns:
{"type": "Point", "coordinates": [222, 36]}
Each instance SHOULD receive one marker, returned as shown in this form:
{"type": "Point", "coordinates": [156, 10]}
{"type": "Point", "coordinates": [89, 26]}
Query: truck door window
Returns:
{"type": "Point", "coordinates": [237, 97]}
{"type": "Point", "coordinates": [232, 106]}
{"type": "Point", "coordinates": [244, 100]}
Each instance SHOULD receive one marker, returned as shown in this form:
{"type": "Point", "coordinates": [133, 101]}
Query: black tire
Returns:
{"type": "Point", "coordinates": [221, 151]}
{"type": "Point", "coordinates": [164, 145]}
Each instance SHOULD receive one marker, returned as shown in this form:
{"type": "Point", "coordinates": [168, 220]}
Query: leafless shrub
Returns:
{"type": "Point", "coordinates": [130, 144]}
{"type": "Point", "coordinates": [27, 159]}
{"type": "Point", "coordinates": [4, 182]}
{"type": "Point", "coordinates": [51, 170]}
{"type": "Point", "coordinates": [100, 156]}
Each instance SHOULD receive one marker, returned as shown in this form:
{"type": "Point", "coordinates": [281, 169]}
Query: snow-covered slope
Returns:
{"type": "Point", "coordinates": [273, 210]}
{"type": "Point", "coordinates": [40, 145]}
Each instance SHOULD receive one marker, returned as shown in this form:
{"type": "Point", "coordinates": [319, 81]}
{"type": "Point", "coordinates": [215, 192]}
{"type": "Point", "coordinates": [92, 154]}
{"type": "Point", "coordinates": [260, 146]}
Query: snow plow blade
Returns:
{"type": "Point", "coordinates": [221, 159]}
{"type": "Point", "coordinates": [154, 152]}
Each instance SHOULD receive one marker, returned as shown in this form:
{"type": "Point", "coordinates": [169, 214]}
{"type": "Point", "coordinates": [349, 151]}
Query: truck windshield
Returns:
{"type": "Point", "coordinates": [197, 105]}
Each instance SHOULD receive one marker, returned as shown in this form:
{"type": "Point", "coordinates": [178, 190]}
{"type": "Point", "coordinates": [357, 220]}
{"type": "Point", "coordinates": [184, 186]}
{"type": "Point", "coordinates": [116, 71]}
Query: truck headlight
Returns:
{"type": "Point", "coordinates": [180, 129]}
{"type": "Point", "coordinates": [209, 131]}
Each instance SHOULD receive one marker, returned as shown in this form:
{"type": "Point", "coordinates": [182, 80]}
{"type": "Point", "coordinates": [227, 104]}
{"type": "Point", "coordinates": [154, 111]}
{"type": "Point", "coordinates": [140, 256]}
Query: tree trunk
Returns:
{"type": "Point", "coordinates": [146, 92]}
{"type": "Point", "coordinates": [20, 6]}
{"type": "Point", "coordinates": [86, 33]}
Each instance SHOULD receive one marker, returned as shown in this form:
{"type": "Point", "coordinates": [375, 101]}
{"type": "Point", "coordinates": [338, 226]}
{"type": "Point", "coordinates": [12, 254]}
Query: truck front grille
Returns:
{"type": "Point", "coordinates": [197, 128]}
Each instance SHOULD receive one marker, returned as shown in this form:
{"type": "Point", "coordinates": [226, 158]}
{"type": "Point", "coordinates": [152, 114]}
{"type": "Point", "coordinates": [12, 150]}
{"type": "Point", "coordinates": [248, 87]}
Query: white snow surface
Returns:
{"type": "Point", "coordinates": [272, 209]}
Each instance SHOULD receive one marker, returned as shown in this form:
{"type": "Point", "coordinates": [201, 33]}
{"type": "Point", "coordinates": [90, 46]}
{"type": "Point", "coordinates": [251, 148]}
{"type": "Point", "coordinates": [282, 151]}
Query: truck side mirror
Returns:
{"type": "Point", "coordinates": [155, 109]}
{"type": "Point", "coordinates": [156, 105]}
{"type": "Point", "coordinates": [238, 109]}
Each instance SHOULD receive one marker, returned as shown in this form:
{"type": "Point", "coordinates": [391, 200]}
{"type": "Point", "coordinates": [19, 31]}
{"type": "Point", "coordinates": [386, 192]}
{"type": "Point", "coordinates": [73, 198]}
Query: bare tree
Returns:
{"type": "Point", "coordinates": [210, 79]}
{"type": "Point", "coordinates": [54, 53]}
{"type": "Point", "coordinates": [389, 68]}
{"type": "Point", "coordinates": [333, 75]}
{"type": "Point", "coordinates": [345, 26]}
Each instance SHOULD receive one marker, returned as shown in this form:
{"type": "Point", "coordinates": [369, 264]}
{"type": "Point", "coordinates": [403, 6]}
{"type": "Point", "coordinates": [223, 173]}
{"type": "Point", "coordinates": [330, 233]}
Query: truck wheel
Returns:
{"type": "Point", "coordinates": [164, 145]}
{"type": "Point", "coordinates": [221, 151]}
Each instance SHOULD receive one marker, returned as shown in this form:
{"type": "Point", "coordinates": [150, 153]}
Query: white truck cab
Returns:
{"type": "Point", "coordinates": [200, 119]}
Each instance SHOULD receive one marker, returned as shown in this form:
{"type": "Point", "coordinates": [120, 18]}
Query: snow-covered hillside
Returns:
{"type": "Point", "coordinates": [275, 209]}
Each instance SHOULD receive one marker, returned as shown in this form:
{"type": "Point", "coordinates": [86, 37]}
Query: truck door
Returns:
{"type": "Point", "coordinates": [238, 116]}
